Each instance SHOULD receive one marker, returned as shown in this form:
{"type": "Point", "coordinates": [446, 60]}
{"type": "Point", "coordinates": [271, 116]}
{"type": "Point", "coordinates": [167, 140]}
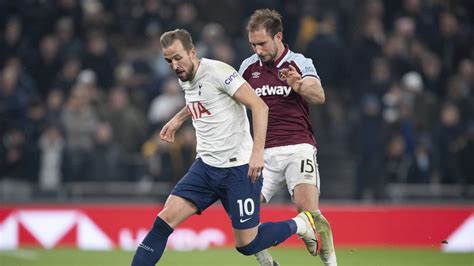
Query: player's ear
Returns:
{"type": "Point", "coordinates": [279, 36]}
{"type": "Point", "coordinates": [192, 53]}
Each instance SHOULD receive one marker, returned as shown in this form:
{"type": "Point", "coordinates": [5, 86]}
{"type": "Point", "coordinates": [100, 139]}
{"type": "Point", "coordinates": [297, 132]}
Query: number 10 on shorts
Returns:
{"type": "Point", "coordinates": [247, 206]}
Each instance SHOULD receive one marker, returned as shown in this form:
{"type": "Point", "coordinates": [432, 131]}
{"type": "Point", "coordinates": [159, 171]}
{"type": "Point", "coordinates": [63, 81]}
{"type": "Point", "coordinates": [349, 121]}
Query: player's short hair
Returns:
{"type": "Point", "coordinates": [267, 19]}
{"type": "Point", "coordinates": [181, 35]}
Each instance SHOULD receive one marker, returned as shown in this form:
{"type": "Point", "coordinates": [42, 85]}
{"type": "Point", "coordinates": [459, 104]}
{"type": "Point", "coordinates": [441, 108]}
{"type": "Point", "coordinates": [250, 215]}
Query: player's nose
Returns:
{"type": "Point", "coordinates": [258, 51]}
{"type": "Point", "coordinates": [174, 65]}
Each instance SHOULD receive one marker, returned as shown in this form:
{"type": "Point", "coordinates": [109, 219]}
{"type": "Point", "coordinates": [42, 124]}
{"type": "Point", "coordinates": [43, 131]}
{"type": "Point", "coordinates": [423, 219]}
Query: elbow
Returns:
{"type": "Point", "coordinates": [319, 99]}
{"type": "Point", "coordinates": [262, 106]}
{"type": "Point", "coordinates": [322, 99]}
{"type": "Point", "coordinates": [265, 108]}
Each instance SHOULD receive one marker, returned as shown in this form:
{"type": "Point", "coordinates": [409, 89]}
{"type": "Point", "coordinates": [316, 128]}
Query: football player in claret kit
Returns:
{"type": "Point", "coordinates": [287, 82]}
{"type": "Point", "coordinates": [229, 163]}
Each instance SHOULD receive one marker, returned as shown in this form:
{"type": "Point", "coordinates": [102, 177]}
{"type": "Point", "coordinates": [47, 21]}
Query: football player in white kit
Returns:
{"type": "Point", "coordinates": [228, 165]}
{"type": "Point", "coordinates": [287, 82]}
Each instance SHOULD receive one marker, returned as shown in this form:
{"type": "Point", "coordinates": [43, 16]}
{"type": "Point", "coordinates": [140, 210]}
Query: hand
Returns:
{"type": "Point", "coordinates": [168, 132]}
{"type": "Point", "coordinates": [293, 78]}
{"type": "Point", "coordinates": [255, 166]}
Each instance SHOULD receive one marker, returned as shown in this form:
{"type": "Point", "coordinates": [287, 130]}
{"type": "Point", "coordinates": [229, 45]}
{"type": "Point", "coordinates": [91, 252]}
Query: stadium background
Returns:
{"type": "Point", "coordinates": [84, 89]}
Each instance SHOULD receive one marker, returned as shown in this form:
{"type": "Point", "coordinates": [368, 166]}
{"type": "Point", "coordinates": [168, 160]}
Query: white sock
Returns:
{"type": "Point", "coordinates": [329, 259]}
{"type": "Point", "coordinates": [300, 225]}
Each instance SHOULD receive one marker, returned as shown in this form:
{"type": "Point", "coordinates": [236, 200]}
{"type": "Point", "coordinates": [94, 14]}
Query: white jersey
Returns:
{"type": "Point", "coordinates": [222, 127]}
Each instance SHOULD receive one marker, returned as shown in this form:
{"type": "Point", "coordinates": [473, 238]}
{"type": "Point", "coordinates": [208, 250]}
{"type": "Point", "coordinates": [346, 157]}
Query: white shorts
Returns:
{"type": "Point", "coordinates": [290, 165]}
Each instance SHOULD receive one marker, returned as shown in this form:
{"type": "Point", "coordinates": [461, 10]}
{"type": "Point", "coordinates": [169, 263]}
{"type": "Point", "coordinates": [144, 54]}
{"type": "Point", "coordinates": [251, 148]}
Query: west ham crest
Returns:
{"type": "Point", "coordinates": [281, 76]}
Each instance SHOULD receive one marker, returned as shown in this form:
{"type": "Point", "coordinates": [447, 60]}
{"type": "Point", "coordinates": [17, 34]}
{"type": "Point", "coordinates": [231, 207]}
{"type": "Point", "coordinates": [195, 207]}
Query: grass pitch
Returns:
{"type": "Point", "coordinates": [230, 257]}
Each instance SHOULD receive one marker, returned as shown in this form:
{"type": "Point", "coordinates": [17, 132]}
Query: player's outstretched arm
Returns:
{"type": "Point", "coordinates": [309, 88]}
{"type": "Point", "coordinates": [247, 96]}
{"type": "Point", "coordinates": [168, 131]}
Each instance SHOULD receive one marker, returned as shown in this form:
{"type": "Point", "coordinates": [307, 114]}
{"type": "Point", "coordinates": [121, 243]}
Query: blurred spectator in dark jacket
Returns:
{"type": "Point", "coordinates": [423, 165]}
{"type": "Point", "coordinates": [106, 157]}
{"type": "Point", "coordinates": [33, 125]}
{"type": "Point", "coordinates": [328, 52]}
{"type": "Point", "coordinates": [397, 161]}
{"type": "Point", "coordinates": [368, 46]}
{"type": "Point", "coordinates": [211, 34]}
{"type": "Point", "coordinates": [46, 64]}
{"type": "Point", "coordinates": [459, 97]}
{"type": "Point", "coordinates": [422, 15]}
{"type": "Point", "coordinates": [369, 143]}
{"type": "Point", "coordinates": [14, 154]}
{"type": "Point", "coordinates": [152, 18]}
{"type": "Point", "coordinates": [445, 137]}
{"type": "Point", "coordinates": [186, 18]}
{"type": "Point", "coordinates": [100, 57]}
{"type": "Point", "coordinates": [14, 98]}
{"type": "Point", "coordinates": [129, 125]}
{"type": "Point", "coordinates": [431, 71]}
{"type": "Point", "coordinates": [69, 43]}
{"type": "Point", "coordinates": [380, 78]}
{"type": "Point", "coordinates": [12, 42]}
{"type": "Point", "coordinates": [71, 9]}
{"type": "Point", "coordinates": [465, 154]}
{"type": "Point", "coordinates": [67, 76]}
{"type": "Point", "coordinates": [460, 89]}
{"type": "Point", "coordinates": [54, 106]}
{"type": "Point", "coordinates": [396, 52]}
{"type": "Point", "coordinates": [450, 42]}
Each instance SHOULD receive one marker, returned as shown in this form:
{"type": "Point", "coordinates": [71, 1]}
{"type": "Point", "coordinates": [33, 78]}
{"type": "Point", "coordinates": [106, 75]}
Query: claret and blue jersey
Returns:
{"type": "Point", "coordinates": [288, 119]}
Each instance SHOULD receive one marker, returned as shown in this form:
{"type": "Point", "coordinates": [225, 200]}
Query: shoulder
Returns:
{"type": "Point", "coordinates": [219, 71]}
{"type": "Point", "coordinates": [216, 67]}
{"type": "Point", "coordinates": [298, 58]}
{"type": "Point", "coordinates": [248, 62]}
{"type": "Point", "coordinates": [214, 64]}
{"type": "Point", "coordinates": [303, 64]}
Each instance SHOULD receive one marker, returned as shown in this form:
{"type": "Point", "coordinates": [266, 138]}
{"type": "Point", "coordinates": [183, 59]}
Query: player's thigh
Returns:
{"type": "Point", "coordinates": [302, 168]}
{"type": "Point", "coordinates": [176, 210]}
{"type": "Point", "coordinates": [196, 188]}
{"type": "Point", "coordinates": [272, 182]}
{"type": "Point", "coordinates": [241, 198]}
{"type": "Point", "coordinates": [306, 197]}
{"type": "Point", "coordinates": [273, 173]}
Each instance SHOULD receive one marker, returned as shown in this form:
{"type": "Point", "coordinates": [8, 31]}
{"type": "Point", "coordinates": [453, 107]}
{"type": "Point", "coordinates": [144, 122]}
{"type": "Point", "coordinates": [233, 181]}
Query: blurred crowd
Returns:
{"type": "Point", "coordinates": [84, 87]}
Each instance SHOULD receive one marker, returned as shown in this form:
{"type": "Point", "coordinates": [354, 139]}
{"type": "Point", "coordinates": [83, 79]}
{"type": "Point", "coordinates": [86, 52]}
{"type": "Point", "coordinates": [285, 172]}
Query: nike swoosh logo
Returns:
{"type": "Point", "coordinates": [244, 220]}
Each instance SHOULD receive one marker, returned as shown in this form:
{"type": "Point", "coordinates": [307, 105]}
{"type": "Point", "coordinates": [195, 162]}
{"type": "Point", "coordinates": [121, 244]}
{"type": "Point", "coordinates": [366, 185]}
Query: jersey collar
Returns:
{"type": "Point", "coordinates": [280, 60]}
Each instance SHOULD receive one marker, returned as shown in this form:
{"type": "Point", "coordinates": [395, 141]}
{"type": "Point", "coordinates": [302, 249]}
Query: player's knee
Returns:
{"type": "Point", "coordinates": [262, 199]}
{"type": "Point", "coordinates": [305, 205]}
{"type": "Point", "coordinates": [167, 217]}
{"type": "Point", "coordinates": [249, 249]}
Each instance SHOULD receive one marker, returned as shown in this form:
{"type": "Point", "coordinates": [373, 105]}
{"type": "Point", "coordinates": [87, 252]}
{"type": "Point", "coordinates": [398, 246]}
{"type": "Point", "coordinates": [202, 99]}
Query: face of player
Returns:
{"type": "Point", "coordinates": [180, 60]}
{"type": "Point", "coordinates": [267, 47]}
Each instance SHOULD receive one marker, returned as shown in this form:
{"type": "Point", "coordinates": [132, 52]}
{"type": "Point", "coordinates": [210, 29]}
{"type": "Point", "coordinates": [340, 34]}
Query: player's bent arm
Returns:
{"type": "Point", "coordinates": [168, 131]}
{"type": "Point", "coordinates": [312, 90]}
{"type": "Point", "coordinates": [247, 96]}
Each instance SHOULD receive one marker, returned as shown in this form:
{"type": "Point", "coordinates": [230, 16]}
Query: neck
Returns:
{"type": "Point", "coordinates": [196, 63]}
{"type": "Point", "coordinates": [280, 50]}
